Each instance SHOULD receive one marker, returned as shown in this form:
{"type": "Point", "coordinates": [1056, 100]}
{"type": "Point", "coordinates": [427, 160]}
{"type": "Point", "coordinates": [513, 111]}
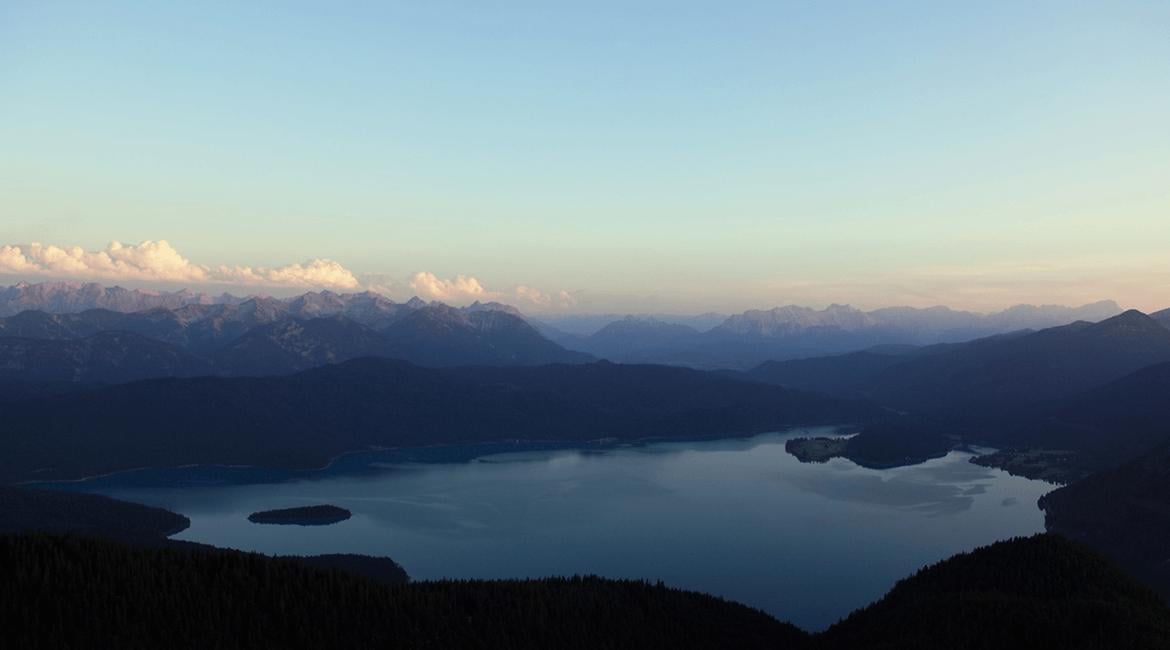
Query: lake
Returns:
{"type": "Point", "coordinates": [739, 518]}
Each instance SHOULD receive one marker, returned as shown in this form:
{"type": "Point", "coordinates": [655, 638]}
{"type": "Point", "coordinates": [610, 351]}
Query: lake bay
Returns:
{"type": "Point", "coordinates": [739, 518]}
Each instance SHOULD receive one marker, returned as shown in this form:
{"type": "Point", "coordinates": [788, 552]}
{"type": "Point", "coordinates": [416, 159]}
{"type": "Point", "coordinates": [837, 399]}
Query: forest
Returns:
{"type": "Point", "coordinates": [64, 591]}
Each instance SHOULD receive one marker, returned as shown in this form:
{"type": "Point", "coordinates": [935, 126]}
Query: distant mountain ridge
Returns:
{"type": "Point", "coordinates": [65, 297]}
{"type": "Point", "coordinates": [99, 346]}
{"type": "Point", "coordinates": [739, 341]}
{"type": "Point", "coordinates": [792, 332]}
{"type": "Point", "coordinates": [257, 335]}
{"type": "Point", "coordinates": [1024, 366]}
{"type": "Point", "coordinates": [368, 307]}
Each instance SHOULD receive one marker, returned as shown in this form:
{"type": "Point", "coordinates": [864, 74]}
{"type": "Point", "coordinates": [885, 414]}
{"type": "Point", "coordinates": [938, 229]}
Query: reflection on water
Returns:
{"type": "Point", "coordinates": [738, 518]}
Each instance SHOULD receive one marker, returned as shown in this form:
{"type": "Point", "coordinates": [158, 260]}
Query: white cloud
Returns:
{"type": "Point", "coordinates": [465, 289]}
{"type": "Point", "coordinates": [460, 289]}
{"type": "Point", "coordinates": [315, 273]}
{"type": "Point", "coordinates": [558, 299]}
{"type": "Point", "coordinates": [158, 261]}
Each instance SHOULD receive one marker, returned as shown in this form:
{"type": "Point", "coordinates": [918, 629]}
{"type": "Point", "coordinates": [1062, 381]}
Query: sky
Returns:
{"type": "Point", "coordinates": [594, 156]}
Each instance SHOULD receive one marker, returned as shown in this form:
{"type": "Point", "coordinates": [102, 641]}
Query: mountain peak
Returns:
{"type": "Point", "coordinates": [1130, 321]}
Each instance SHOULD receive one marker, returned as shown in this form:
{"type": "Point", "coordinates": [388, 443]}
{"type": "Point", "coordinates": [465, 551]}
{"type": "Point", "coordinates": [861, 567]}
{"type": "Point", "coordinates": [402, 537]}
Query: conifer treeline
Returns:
{"type": "Point", "coordinates": [66, 591]}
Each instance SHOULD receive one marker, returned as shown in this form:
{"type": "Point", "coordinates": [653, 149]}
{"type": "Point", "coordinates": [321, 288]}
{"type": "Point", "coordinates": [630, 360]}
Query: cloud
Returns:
{"type": "Point", "coordinates": [466, 289]}
{"type": "Point", "coordinates": [461, 288]}
{"type": "Point", "coordinates": [559, 299]}
{"type": "Point", "coordinates": [314, 273]}
{"type": "Point", "coordinates": [158, 261]}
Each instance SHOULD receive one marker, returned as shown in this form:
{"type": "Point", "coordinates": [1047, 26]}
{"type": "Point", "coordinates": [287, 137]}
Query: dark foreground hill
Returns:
{"type": "Point", "coordinates": [1038, 592]}
{"type": "Point", "coordinates": [1041, 592]}
{"type": "Point", "coordinates": [304, 420]}
{"type": "Point", "coordinates": [91, 514]}
{"type": "Point", "coordinates": [1123, 513]}
{"type": "Point", "coordinates": [72, 592]}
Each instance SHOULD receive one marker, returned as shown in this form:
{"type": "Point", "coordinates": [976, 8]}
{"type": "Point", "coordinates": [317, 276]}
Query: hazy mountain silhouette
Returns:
{"type": "Point", "coordinates": [439, 335]}
{"type": "Point", "coordinates": [1163, 317]}
{"type": "Point", "coordinates": [792, 332]}
{"type": "Point", "coordinates": [632, 338]}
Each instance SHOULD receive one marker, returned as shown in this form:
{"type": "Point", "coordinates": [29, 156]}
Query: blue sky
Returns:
{"type": "Point", "coordinates": [657, 156]}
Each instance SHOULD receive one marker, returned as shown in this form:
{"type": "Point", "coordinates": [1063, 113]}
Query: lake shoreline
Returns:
{"type": "Point", "coordinates": [439, 453]}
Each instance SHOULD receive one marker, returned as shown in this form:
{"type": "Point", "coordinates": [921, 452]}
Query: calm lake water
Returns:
{"type": "Point", "coordinates": [738, 518]}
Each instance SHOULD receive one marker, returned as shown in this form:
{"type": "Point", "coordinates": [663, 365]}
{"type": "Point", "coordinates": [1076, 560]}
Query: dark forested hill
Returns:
{"type": "Point", "coordinates": [1113, 423]}
{"type": "Point", "coordinates": [29, 510]}
{"type": "Point", "coordinates": [1123, 512]}
{"type": "Point", "coordinates": [72, 592]}
{"type": "Point", "coordinates": [305, 419]}
{"type": "Point", "coordinates": [992, 386]}
{"type": "Point", "coordinates": [50, 511]}
{"type": "Point", "coordinates": [1039, 592]}
{"type": "Point", "coordinates": [1000, 378]}
{"type": "Point", "coordinates": [105, 357]}
{"type": "Point", "coordinates": [845, 374]}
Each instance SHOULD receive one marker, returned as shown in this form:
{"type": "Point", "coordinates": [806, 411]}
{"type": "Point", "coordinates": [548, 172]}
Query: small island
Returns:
{"type": "Point", "coordinates": [893, 443]}
{"type": "Point", "coordinates": [816, 450]}
{"type": "Point", "coordinates": [302, 516]}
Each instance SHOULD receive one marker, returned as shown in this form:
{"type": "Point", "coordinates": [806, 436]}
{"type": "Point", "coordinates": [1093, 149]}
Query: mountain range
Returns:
{"type": "Point", "coordinates": [1058, 403]}
{"type": "Point", "coordinates": [992, 377]}
{"type": "Point", "coordinates": [755, 336]}
{"type": "Point", "coordinates": [201, 323]}
{"type": "Point", "coordinates": [264, 336]}
{"type": "Point", "coordinates": [66, 297]}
